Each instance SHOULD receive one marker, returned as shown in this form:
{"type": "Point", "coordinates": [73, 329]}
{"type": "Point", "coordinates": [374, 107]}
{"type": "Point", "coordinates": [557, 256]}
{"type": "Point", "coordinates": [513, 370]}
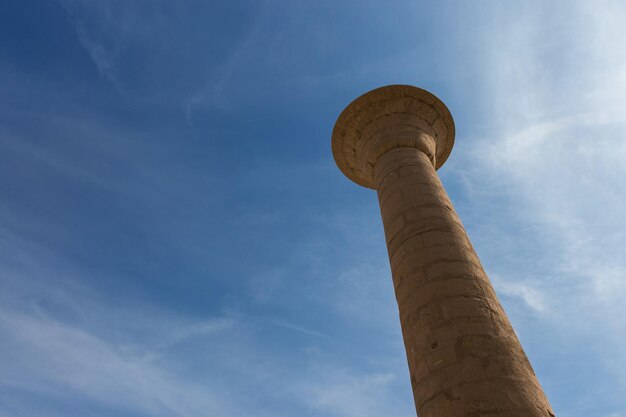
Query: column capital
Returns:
{"type": "Point", "coordinates": [386, 118]}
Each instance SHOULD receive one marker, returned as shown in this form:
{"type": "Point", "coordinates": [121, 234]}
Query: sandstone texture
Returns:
{"type": "Point", "coordinates": [464, 357]}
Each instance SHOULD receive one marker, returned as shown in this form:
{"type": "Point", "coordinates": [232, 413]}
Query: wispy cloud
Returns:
{"type": "Point", "coordinates": [527, 292]}
{"type": "Point", "coordinates": [555, 148]}
{"type": "Point", "coordinates": [55, 359]}
{"type": "Point", "coordinates": [108, 366]}
{"type": "Point", "coordinates": [92, 35]}
{"type": "Point", "coordinates": [342, 394]}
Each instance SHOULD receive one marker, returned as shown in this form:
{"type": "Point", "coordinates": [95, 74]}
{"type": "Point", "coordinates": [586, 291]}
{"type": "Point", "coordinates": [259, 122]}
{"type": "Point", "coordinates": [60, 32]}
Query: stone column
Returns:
{"type": "Point", "coordinates": [464, 357]}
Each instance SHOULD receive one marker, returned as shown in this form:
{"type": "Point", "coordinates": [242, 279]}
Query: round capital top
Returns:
{"type": "Point", "coordinates": [386, 118]}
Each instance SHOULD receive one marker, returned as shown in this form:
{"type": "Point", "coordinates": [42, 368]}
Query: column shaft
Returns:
{"type": "Point", "coordinates": [464, 357]}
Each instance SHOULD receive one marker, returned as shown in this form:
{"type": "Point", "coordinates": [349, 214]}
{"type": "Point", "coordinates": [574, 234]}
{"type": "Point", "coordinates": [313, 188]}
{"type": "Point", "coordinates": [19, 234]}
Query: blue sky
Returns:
{"type": "Point", "coordinates": [175, 239]}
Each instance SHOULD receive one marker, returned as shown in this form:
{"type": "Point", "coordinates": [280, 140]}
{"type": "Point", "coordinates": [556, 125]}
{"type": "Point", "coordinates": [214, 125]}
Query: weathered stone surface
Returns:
{"type": "Point", "coordinates": [464, 357]}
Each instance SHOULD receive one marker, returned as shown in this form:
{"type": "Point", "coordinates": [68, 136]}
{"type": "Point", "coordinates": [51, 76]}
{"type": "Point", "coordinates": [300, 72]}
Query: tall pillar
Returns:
{"type": "Point", "coordinates": [464, 357]}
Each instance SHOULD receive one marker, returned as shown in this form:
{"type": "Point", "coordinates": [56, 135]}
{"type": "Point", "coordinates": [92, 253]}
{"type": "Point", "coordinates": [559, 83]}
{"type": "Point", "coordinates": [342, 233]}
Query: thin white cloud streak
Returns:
{"type": "Point", "coordinates": [342, 394]}
{"type": "Point", "coordinates": [104, 55]}
{"type": "Point", "coordinates": [216, 92]}
{"type": "Point", "coordinates": [527, 292]}
{"type": "Point", "coordinates": [119, 357]}
{"type": "Point", "coordinates": [60, 341]}
{"type": "Point", "coordinates": [50, 357]}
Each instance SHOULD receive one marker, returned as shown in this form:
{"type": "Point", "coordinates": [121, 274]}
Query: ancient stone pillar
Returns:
{"type": "Point", "coordinates": [464, 357]}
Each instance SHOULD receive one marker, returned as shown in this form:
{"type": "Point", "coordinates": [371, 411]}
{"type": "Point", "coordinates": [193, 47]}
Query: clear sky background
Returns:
{"type": "Point", "coordinates": [176, 240]}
